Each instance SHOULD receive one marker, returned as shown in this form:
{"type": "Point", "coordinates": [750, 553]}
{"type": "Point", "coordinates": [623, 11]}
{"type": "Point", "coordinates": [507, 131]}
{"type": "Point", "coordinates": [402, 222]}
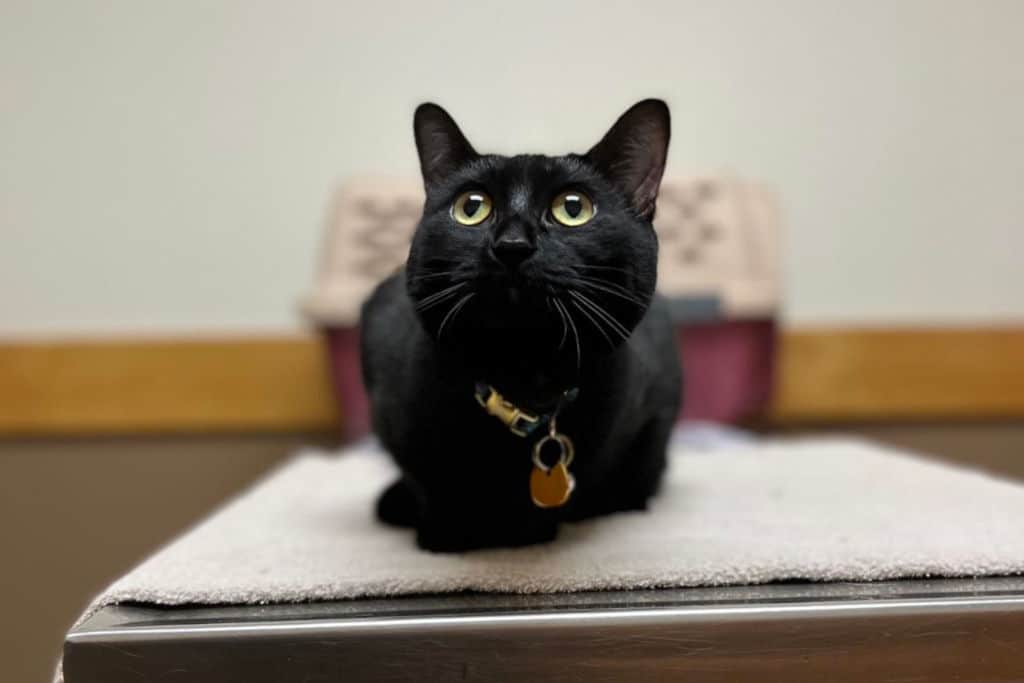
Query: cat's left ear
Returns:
{"type": "Point", "coordinates": [441, 145]}
{"type": "Point", "coordinates": [632, 154]}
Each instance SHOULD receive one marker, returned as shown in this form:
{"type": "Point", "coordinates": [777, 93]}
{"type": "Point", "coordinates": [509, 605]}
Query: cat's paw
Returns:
{"type": "Point", "coordinates": [397, 505]}
{"type": "Point", "coordinates": [437, 540]}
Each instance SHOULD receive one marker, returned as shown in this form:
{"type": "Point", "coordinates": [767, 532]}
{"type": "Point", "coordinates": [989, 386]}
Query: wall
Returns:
{"type": "Point", "coordinates": [164, 167]}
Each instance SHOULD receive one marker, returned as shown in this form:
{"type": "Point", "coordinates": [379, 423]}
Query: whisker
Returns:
{"type": "Point", "coordinates": [561, 316]}
{"type": "Point", "coordinates": [432, 276]}
{"type": "Point", "coordinates": [441, 292]}
{"type": "Point", "coordinates": [436, 302]}
{"type": "Point", "coordinates": [608, 268]}
{"type": "Point", "coordinates": [575, 332]}
{"type": "Point", "coordinates": [610, 288]}
{"type": "Point", "coordinates": [605, 281]}
{"type": "Point", "coordinates": [453, 313]}
{"type": "Point", "coordinates": [440, 296]}
{"type": "Point", "coordinates": [611, 320]}
{"type": "Point", "coordinates": [613, 323]}
{"type": "Point", "coordinates": [596, 324]}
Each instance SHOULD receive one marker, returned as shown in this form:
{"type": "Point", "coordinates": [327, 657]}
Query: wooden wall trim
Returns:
{"type": "Point", "coordinates": [837, 375]}
{"type": "Point", "coordinates": [825, 375]}
{"type": "Point", "coordinates": [112, 387]}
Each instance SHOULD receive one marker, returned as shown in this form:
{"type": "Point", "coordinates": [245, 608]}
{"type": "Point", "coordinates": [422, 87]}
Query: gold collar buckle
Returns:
{"type": "Point", "coordinates": [518, 421]}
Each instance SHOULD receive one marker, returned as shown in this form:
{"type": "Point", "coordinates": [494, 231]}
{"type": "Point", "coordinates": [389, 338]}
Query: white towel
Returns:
{"type": "Point", "coordinates": [819, 510]}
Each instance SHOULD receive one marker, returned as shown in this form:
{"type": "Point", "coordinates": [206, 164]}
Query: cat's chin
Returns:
{"type": "Point", "coordinates": [531, 369]}
{"type": "Point", "coordinates": [511, 307]}
{"type": "Point", "coordinates": [530, 337]}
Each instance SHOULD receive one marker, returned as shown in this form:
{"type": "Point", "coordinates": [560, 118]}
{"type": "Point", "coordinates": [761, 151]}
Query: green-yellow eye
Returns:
{"type": "Point", "coordinates": [472, 208]}
{"type": "Point", "coordinates": [572, 209]}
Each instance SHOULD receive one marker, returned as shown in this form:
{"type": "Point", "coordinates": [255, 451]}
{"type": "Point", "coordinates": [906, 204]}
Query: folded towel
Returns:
{"type": "Point", "coordinates": [820, 510]}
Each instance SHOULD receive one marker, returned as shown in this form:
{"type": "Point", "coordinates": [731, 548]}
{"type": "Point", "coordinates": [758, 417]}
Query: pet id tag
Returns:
{"type": "Point", "coordinates": [550, 487]}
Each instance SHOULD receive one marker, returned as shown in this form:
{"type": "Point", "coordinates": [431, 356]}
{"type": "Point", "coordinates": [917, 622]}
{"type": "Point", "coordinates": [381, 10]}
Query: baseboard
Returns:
{"type": "Point", "coordinates": [282, 384]}
{"type": "Point", "coordinates": [885, 375]}
{"type": "Point", "coordinates": [121, 387]}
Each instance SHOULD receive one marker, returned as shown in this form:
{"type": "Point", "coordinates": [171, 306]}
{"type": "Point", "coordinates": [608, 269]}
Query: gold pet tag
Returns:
{"type": "Point", "coordinates": [550, 487]}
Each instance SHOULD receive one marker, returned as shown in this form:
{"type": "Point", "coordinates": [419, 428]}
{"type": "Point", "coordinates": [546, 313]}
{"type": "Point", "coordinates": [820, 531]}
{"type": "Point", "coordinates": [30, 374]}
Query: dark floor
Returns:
{"type": "Point", "coordinates": [74, 514]}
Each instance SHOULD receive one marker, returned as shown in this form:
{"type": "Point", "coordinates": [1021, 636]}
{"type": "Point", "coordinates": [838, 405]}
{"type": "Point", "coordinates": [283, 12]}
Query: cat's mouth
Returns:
{"type": "Point", "coordinates": [511, 305]}
{"type": "Point", "coordinates": [511, 296]}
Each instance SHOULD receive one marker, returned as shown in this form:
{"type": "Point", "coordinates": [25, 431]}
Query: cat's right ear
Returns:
{"type": "Point", "coordinates": [632, 154]}
{"type": "Point", "coordinates": [441, 145]}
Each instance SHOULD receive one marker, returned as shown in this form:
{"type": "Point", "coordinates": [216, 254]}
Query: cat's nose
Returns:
{"type": "Point", "coordinates": [512, 250]}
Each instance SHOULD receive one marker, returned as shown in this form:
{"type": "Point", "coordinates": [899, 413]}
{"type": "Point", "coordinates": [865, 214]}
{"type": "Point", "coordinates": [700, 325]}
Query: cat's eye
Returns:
{"type": "Point", "coordinates": [572, 209]}
{"type": "Point", "coordinates": [472, 208]}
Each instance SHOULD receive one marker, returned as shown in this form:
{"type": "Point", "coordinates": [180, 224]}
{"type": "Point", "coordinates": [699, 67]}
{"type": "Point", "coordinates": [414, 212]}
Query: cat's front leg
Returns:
{"type": "Point", "coordinates": [399, 504]}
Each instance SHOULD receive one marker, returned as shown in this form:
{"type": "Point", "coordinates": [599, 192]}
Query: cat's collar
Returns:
{"type": "Point", "coordinates": [519, 421]}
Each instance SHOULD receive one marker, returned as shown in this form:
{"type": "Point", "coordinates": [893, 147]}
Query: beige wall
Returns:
{"type": "Point", "coordinates": [165, 166]}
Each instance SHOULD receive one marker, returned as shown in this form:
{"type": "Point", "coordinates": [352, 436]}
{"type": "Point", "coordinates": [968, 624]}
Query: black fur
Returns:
{"type": "Point", "coordinates": [533, 308]}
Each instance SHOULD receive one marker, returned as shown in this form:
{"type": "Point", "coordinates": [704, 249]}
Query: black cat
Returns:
{"type": "Point", "coordinates": [533, 277]}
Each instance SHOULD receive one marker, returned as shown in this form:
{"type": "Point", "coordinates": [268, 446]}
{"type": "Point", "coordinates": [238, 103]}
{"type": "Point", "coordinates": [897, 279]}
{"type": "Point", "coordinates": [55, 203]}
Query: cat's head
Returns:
{"type": "Point", "coordinates": [541, 257]}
